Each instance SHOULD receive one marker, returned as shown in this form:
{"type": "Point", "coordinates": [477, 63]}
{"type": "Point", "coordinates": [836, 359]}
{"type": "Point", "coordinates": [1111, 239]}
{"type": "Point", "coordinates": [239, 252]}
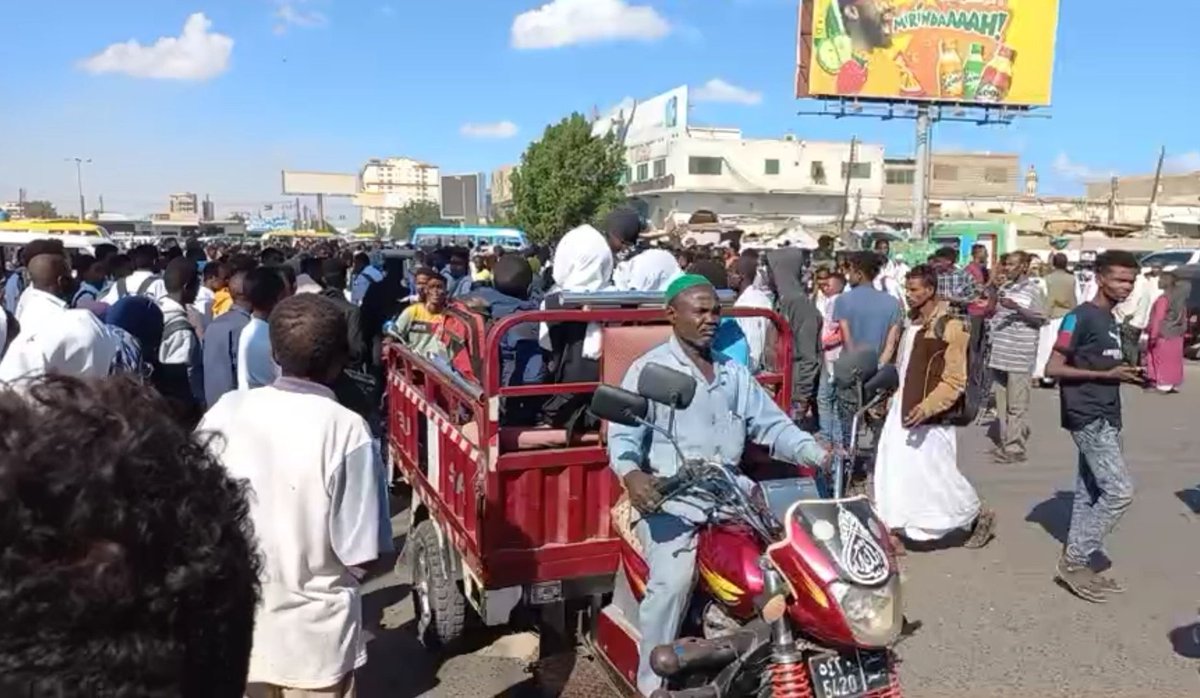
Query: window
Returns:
{"type": "Point", "coordinates": [900, 176]}
{"type": "Point", "coordinates": [856, 170]}
{"type": "Point", "coordinates": [704, 166]}
{"type": "Point", "coordinates": [772, 167]}
{"type": "Point", "coordinates": [1168, 259]}
{"type": "Point", "coordinates": [946, 173]}
{"type": "Point", "coordinates": [643, 172]}
{"type": "Point", "coordinates": [626, 176]}
{"type": "Point", "coordinates": [660, 168]}
{"type": "Point", "coordinates": [817, 170]}
{"type": "Point", "coordinates": [995, 175]}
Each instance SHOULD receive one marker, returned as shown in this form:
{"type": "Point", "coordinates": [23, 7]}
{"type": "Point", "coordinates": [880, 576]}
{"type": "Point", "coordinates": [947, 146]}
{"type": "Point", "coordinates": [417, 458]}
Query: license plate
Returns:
{"type": "Point", "coordinates": [851, 675]}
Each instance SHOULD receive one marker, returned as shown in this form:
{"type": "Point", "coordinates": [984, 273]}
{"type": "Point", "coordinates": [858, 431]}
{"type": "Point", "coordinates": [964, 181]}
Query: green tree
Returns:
{"type": "Point", "coordinates": [40, 209]}
{"type": "Point", "coordinates": [567, 178]}
{"type": "Point", "coordinates": [367, 227]}
{"type": "Point", "coordinates": [414, 215]}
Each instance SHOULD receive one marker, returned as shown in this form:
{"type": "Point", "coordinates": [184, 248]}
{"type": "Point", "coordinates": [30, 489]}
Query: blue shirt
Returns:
{"type": "Point", "coordinates": [714, 427]}
{"type": "Point", "coordinates": [870, 313]}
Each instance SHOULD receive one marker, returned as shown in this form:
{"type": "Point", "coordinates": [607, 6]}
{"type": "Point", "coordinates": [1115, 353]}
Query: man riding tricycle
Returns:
{"type": "Point", "coordinates": [778, 592]}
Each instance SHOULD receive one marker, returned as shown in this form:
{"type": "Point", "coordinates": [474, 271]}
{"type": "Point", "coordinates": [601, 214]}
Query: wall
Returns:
{"type": "Point", "coordinates": [1173, 188]}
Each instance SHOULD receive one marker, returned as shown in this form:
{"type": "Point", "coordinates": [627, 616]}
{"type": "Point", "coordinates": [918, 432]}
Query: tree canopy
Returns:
{"type": "Point", "coordinates": [567, 178]}
{"type": "Point", "coordinates": [366, 227]}
{"type": "Point", "coordinates": [414, 215]}
{"type": "Point", "coordinates": [40, 209]}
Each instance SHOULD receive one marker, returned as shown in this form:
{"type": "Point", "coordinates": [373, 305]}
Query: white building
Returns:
{"type": "Point", "coordinates": [183, 204]}
{"type": "Point", "coordinates": [389, 184]}
{"type": "Point", "coordinates": [675, 169]}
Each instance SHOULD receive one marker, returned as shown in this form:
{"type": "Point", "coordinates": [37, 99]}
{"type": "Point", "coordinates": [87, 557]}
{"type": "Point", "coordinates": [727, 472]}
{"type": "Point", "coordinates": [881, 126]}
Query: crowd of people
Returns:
{"type": "Point", "coordinates": [193, 485]}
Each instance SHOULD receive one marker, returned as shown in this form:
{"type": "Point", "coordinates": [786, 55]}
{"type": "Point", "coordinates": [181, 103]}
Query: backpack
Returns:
{"type": "Point", "coordinates": [964, 410]}
{"type": "Point", "coordinates": [123, 286]}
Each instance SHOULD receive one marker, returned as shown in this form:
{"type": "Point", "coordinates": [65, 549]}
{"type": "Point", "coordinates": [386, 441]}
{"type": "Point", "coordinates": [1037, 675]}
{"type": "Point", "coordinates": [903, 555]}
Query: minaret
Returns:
{"type": "Point", "coordinates": [1031, 182]}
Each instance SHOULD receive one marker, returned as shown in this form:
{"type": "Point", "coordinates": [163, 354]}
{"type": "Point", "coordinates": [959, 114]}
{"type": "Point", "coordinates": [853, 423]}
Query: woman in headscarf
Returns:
{"type": "Point", "coordinates": [1168, 324]}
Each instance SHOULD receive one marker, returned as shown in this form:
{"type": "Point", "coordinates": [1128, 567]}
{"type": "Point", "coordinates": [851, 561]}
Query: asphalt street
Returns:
{"type": "Point", "coordinates": [992, 622]}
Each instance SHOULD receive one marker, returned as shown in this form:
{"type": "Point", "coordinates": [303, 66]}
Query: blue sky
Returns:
{"type": "Point", "coordinates": [254, 86]}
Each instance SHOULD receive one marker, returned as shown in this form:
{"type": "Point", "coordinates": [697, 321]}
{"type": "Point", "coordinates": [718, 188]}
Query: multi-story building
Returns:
{"type": "Point", "coordinates": [12, 209]}
{"type": "Point", "coordinates": [390, 184]}
{"type": "Point", "coordinates": [953, 176]}
{"type": "Point", "coordinates": [183, 204]}
{"type": "Point", "coordinates": [500, 189]}
{"type": "Point", "coordinates": [716, 169]}
{"type": "Point", "coordinates": [675, 169]}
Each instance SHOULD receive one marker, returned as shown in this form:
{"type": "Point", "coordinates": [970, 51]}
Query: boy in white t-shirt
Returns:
{"type": "Point", "coordinates": [318, 503]}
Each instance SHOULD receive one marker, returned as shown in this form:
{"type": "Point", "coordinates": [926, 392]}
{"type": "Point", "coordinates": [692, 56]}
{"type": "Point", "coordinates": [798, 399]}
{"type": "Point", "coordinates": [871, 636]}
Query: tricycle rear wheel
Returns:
{"type": "Point", "coordinates": [438, 603]}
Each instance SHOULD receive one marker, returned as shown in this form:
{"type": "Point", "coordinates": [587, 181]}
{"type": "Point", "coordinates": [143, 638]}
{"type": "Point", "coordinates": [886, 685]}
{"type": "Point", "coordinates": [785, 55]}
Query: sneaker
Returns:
{"type": "Point", "coordinates": [983, 531]}
{"type": "Point", "coordinates": [1081, 581]}
{"type": "Point", "coordinates": [1109, 585]}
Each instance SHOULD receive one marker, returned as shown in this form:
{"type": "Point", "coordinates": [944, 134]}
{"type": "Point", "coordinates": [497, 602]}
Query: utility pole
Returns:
{"type": "Point", "coordinates": [79, 163]}
{"type": "Point", "coordinates": [921, 177]}
{"type": "Point", "coordinates": [849, 174]}
{"type": "Point", "coordinates": [1162, 154]}
{"type": "Point", "coordinates": [1112, 200]}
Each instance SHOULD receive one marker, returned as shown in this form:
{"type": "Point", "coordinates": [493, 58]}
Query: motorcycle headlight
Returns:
{"type": "Point", "coordinates": [875, 616]}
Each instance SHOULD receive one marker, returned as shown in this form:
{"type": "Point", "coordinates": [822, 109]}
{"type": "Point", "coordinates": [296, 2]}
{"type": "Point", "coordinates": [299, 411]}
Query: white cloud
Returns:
{"type": "Point", "coordinates": [1069, 169]}
{"type": "Point", "coordinates": [718, 90]}
{"type": "Point", "coordinates": [196, 54]}
{"type": "Point", "coordinates": [1183, 163]}
{"type": "Point", "coordinates": [565, 22]}
{"type": "Point", "coordinates": [387, 10]}
{"type": "Point", "coordinates": [499, 129]}
{"type": "Point", "coordinates": [292, 13]}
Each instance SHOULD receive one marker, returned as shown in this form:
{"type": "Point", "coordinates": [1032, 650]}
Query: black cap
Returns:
{"type": "Point", "coordinates": [624, 224]}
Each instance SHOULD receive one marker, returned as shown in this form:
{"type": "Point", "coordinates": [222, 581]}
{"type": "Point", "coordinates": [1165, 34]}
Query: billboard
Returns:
{"type": "Point", "coordinates": [460, 198]}
{"type": "Point", "coordinates": [975, 52]}
{"type": "Point", "coordinates": [654, 119]}
{"type": "Point", "coordinates": [312, 183]}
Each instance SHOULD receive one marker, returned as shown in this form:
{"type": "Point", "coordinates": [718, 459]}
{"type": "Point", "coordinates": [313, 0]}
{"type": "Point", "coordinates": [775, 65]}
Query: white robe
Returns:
{"type": "Point", "coordinates": [918, 488]}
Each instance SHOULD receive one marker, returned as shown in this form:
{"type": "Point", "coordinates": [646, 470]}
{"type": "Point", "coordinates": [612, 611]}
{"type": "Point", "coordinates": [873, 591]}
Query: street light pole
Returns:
{"type": "Point", "coordinates": [79, 162]}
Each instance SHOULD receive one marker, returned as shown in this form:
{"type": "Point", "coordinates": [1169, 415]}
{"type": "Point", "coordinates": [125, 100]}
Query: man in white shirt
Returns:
{"type": "Point", "coordinates": [316, 505]}
{"type": "Point", "coordinates": [180, 353]}
{"type": "Point", "coordinates": [648, 271]}
{"type": "Point", "coordinates": [892, 275]}
{"type": "Point", "coordinates": [49, 283]}
{"type": "Point", "coordinates": [144, 281]}
{"type": "Point", "coordinates": [741, 280]}
{"type": "Point", "coordinates": [256, 365]}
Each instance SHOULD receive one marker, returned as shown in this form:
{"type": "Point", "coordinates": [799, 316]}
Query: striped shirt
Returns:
{"type": "Point", "coordinates": [1014, 340]}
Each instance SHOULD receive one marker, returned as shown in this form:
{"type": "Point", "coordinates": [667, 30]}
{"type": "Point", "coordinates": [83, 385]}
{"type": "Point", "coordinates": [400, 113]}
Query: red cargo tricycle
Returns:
{"type": "Point", "coordinates": [507, 519]}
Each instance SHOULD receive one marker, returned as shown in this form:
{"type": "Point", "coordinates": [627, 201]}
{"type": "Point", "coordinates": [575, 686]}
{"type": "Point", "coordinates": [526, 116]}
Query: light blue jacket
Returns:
{"type": "Point", "coordinates": [714, 427]}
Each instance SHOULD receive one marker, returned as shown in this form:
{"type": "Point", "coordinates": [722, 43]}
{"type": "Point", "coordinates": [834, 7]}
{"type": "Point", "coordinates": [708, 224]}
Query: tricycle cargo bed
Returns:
{"type": "Point", "coordinates": [519, 505]}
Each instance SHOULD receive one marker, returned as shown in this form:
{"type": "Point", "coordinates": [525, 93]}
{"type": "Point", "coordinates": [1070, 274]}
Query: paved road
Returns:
{"type": "Point", "coordinates": [993, 622]}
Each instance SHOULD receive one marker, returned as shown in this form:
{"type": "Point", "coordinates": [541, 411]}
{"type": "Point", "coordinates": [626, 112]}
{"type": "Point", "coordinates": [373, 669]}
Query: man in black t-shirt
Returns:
{"type": "Point", "coordinates": [1087, 361]}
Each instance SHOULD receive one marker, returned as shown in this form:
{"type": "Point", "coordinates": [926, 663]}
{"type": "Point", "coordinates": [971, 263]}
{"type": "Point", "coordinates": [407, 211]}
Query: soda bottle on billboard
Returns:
{"type": "Point", "coordinates": [997, 77]}
{"type": "Point", "coordinates": [950, 71]}
{"type": "Point", "coordinates": [973, 71]}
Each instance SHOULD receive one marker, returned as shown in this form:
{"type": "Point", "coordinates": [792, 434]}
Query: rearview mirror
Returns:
{"type": "Point", "coordinates": [667, 386]}
{"type": "Point", "coordinates": [613, 404]}
{"type": "Point", "coordinates": [885, 380]}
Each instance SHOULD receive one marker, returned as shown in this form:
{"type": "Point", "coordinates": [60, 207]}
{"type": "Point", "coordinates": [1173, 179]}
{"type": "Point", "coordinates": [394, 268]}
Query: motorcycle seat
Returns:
{"type": "Point", "coordinates": [623, 517]}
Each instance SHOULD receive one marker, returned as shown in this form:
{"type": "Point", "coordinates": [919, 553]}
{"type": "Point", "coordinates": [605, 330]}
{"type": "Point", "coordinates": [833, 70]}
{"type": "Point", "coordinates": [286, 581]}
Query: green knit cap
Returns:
{"type": "Point", "coordinates": [683, 283]}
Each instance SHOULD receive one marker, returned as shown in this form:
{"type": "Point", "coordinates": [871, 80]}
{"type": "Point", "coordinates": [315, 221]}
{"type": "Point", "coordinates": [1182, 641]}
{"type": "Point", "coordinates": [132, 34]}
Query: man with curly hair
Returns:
{"type": "Point", "coordinates": [319, 505]}
{"type": "Point", "coordinates": [128, 566]}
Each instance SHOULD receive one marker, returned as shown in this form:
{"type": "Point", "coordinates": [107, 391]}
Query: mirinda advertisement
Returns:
{"type": "Point", "coordinates": [959, 51]}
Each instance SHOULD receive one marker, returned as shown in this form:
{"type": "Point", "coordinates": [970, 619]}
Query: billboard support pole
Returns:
{"type": "Point", "coordinates": [921, 177]}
